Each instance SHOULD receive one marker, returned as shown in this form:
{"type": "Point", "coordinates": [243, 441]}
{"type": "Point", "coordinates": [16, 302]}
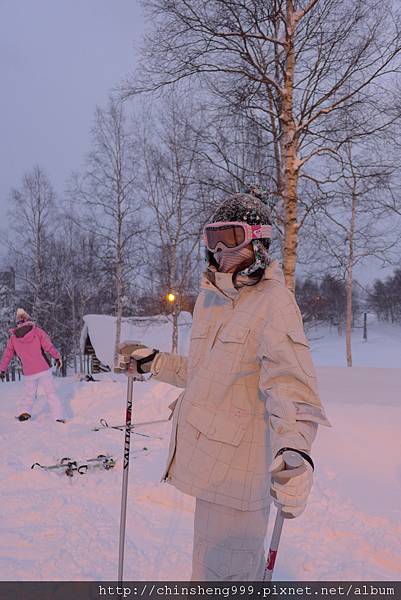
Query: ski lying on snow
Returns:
{"type": "Point", "coordinates": [71, 466]}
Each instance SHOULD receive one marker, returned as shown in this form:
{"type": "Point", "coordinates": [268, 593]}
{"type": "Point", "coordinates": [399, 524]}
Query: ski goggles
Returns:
{"type": "Point", "coordinates": [233, 234]}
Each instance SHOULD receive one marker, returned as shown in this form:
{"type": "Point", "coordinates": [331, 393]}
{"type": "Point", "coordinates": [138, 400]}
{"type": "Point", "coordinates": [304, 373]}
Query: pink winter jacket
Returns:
{"type": "Point", "coordinates": [28, 341]}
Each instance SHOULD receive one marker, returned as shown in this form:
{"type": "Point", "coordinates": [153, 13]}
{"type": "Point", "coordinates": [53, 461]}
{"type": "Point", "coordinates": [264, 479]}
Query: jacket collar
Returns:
{"type": "Point", "coordinates": [22, 325]}
{"type": "Point", "coordinates": [274, 272]}
{"type": "Point", "coordinates": [221, 283]}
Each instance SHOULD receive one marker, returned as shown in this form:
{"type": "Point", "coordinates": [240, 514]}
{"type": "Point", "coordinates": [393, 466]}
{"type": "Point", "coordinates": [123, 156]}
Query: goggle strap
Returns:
{"type": "Point", "coordinates": [261, 231]}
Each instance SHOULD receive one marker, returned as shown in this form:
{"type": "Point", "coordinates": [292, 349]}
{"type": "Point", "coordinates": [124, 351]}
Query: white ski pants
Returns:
{"type": "Point", "coordinates": [228, 543]}
{"type": "Point", "coordinates": [45, 380]}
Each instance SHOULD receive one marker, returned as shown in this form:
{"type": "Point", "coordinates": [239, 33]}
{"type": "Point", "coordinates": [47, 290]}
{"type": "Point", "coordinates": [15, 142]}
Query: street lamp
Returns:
{"type": "Point", "coordinates": [172, 300]}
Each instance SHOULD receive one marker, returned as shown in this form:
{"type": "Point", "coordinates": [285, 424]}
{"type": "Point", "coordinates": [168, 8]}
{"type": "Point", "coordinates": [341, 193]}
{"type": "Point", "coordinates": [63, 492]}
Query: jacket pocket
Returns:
{"type": "Point", "coordinates": [234, 333]}
{"type": "Point", "coordinates": [236, 346]}
{"type": "Point", "coordinates": [311, 412]}
{"type": "Point", "coordinates": [225, 428]}
{"type": "Point", "coordinates": [199, 334]}
{"type": "Point", "coordinates": [210, 444]}
{"type": "Point", "coordinates": [302, 351]}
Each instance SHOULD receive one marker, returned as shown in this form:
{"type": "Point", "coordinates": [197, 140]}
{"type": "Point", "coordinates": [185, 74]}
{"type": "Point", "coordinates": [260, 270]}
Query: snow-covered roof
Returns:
{"type": "Point", "coordinates": [154, 331]}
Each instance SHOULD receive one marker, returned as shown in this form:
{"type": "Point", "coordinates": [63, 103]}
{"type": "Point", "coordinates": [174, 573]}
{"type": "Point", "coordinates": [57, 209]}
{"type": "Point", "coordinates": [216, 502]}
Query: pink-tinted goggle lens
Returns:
{"type": "Point", "coordinates": [229, 235]}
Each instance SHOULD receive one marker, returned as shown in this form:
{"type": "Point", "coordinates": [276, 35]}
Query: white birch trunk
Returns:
{"type": "Point", "coordinates": [74, 328]}
{"type": "Point", "coordinates": [119, 266]}
{"type": "Point", "coordinates": [349, 282]}
{"type": "Point", "coordinates": [290, 157]}
{"type": "Point", "coordinates": [119, 301]}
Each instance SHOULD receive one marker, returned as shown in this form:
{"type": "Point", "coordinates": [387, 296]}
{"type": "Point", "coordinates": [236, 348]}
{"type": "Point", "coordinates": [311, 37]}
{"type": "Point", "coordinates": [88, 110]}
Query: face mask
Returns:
{"type": "Point", "coordinates": [229, 261]}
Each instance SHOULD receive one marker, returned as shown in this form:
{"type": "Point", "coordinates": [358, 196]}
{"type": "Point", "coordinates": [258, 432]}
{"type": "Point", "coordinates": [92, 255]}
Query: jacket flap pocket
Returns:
{"type": "Point", "coordinates": [298, 337]}
{"type": "Point", "coordinates": [234, 333]}
{"type": "Point", "coordinates": [311, 412]}
{"type": "Point", "coordinates": [302, 351]}
{"type": "Point", "coordinates": [217, 426]}
{"type": "Point", "coordinates": [200, 329]}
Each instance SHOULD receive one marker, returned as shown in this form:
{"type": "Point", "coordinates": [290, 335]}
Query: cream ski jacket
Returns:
{"type": "Point", "coordinates": [250, 389]}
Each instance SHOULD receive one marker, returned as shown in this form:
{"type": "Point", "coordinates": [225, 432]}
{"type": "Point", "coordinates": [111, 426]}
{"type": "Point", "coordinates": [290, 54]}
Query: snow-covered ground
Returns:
{"type": "Point", "coordinates": [59, 528]}
{"type": "Point", "coordinates": [382, 349]}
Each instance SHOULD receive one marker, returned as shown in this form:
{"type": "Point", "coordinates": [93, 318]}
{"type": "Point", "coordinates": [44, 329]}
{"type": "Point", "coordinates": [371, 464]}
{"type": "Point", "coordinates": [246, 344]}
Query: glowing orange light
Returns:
{"type": "Point", "coordinates": [171, 297]}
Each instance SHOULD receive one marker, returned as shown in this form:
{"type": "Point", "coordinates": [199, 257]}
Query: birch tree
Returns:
{"type": "Point", "coordinates": [32, 219]}
{"type": "Point", "coordinates": [352, 225]}
{"type": "Point", "coordinates": [83, 282]}
{"type": "Point", "coordinates": [110, 199]}
{"type": "Point", "coordinates": [292, 65]}
{"type": "Point", "coordinates": [170, 183]}
{"type": "Point", "coordinates": [7, 304]}
{"type": "Point", "coordinates": [234, 153]}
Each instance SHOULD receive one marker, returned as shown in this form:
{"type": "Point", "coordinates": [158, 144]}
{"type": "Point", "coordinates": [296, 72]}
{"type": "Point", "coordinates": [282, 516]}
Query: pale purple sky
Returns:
{"type": "Point", "coordinates": [58, 60]}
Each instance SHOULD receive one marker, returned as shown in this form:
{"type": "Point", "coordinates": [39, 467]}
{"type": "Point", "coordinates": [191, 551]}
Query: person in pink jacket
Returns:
{"type": "Point", "coordinates": [29, 342]}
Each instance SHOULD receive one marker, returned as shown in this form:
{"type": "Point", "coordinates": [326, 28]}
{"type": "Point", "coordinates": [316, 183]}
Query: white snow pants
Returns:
{"type": "Point", "coordinates": [228, 543]}
{"type": "Point", "coordinates": [45, 379]}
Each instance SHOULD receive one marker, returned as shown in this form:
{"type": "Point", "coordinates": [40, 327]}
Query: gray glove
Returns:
{"type": "Point", "coordinates": [134, 358]}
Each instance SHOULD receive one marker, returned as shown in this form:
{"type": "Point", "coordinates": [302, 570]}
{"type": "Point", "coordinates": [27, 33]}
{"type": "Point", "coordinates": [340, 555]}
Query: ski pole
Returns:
{"type": "Point", "coordinates": [292, 460]}
{"type": "Point", "coordinates": [124, 492]}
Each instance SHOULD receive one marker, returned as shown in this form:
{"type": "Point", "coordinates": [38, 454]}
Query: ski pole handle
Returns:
{"type": "Point", "coordinates": [292, 460]}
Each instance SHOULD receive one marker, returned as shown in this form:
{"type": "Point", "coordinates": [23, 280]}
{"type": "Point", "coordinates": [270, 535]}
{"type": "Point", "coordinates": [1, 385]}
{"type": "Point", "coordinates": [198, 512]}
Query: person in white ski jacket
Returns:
{"type": "Point", "coordinates": [249, 394]}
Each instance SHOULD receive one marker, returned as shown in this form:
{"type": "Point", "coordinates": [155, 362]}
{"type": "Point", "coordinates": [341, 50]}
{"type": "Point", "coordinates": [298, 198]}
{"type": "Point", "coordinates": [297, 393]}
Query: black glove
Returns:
{"type": "Point", "coordinates": [2, 375]}
{"type": "Point", "coordinates": [144, 358]}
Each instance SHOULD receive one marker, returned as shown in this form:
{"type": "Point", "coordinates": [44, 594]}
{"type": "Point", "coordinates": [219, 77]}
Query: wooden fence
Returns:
{"type": "Point", "coordinates": [13, 374]}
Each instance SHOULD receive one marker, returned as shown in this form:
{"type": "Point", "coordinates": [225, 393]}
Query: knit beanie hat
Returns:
{"type": "Point", "coordinates": [21, 315]}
